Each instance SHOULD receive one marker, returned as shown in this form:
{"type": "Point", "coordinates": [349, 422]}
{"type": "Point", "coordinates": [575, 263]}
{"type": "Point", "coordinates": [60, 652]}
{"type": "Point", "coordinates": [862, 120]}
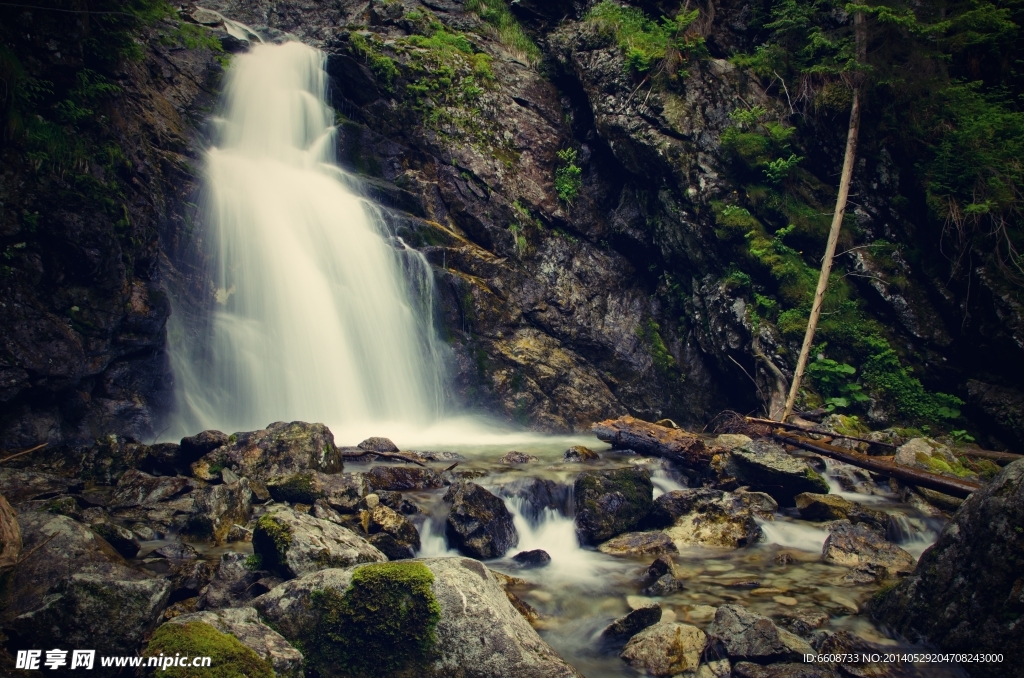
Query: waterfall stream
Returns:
{"type": "Point", "coordinates": [319, 313]}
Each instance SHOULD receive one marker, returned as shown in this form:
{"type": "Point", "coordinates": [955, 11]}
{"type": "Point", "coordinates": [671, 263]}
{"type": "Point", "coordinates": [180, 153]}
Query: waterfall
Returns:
{"type": "Point", "coordinates": [317, 311]}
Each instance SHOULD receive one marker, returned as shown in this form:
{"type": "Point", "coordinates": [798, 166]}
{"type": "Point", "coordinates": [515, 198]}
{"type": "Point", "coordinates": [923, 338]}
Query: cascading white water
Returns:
{"type": "Point", "coordinates": [314, 315]}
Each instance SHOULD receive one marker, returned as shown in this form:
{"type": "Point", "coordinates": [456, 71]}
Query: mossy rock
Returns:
{"type": "Point", "coordinates": [611, 502]}
{"type": "Point", "coordinates": [228, 657]}
{"type": "Point", "coordinates": [301, 488]}
{"type": "Point", "coordinates": [383, 624]}
{"type": "Point", "coordinates": [271, 540]}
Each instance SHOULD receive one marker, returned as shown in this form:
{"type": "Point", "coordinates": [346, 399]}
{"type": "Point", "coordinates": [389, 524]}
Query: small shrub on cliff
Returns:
{"type": "Point", "coordinates": [568, 180]}
{"type": "Point", "coordinates": [510, 33]}
{"type": "Point", "coordinates": [646, 43]}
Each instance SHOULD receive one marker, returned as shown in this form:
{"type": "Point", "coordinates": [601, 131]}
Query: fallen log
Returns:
{"type": "Point", "coordinates": [630, 433]}
{"type": "Point", "coordinates": [932, 481]}
{"type": "Point", "coordinates": [24, 452]}
{"type": "Point", "coordinates": [794, 427]}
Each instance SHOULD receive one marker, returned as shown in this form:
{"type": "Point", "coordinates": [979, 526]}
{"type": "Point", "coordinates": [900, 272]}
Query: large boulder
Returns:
{"type": "Point", "coordinates": [432, 618]}
{"type": "Point", "coordinates": [861, 547]}
{"type": "Point", "coordinates": [341, 491]}
{"type": "Point", "coordinates": [611, 502]}
{"type": "Point", "coordinates": [95, 611]}
{"type": "Point", "coordinates": [666, 649]}
{"type": "Point", "coordinates": [54, 548]}
{"type": "Point", "coordinates": [245, 625]}
{"type": "Point", "coordinates": [675, 444]}
{"type": "Point", "coordinates": [967, 592]}
{"type": "Point", "coordinates": [744, 635]}
{"type": "Point", "coordinates": [479, 524]}
{"type": "Point", "coordinates": [193, 448]}
{"type": "Point", "coordinates": [709, 517]}
{"type": "Point", "coordinates": [765, 467]}
{"type": "Point", "coordinates": [279, 450]}
{"type": "Point", "coordinates": [294, 544]}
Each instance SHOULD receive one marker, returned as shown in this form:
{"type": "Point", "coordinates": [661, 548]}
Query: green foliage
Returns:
{"type": "Point", "coordinates": [644, 41]}
{"type": "Point", "coordinates": [833, 380]}
{"type": "Point", "coordinates": [383, 624]}
{"type": "Point", "coordinates": [509, 31]}
{"type": "Point", "coordinates": [271, 539]}
{"type": "Point", "coordinates": [228, 657]}
{"type": "Point", "coordinates": [884, 374]}
{"type": "Point", "coordinates": [779, 169]}
{"type": "Point", "coordinates": [191, 36]}
{"type": "Point", "coordinates": [568, 176]}
{"type": "Point", "coordinates": [253, 562]}
{"type": "Point", "coordinates": [519, 240]}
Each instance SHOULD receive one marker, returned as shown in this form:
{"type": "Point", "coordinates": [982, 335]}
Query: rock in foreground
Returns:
{"type": "Point", "coordinates": [432, 618]}
{"type": "Point", "coordinates": [967, 593]}
{"type": "Point", "coordinates": [666, 649]}
{"type": "Point", "coordinates": [859, 546]}
{"type": "Point", "coordinates": [744, 635]}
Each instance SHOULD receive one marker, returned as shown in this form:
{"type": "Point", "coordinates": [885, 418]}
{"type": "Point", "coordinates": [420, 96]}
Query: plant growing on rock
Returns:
{"type": "Point", "coordinates": [568, 181]}
{"type": "Point", "coordinates": [647, 43]}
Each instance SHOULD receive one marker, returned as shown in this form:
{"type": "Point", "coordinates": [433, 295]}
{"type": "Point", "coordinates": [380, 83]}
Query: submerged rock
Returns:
{"type": "Point", "coordinates": [639, 543]}
{"type": "Point", "coordinates": [529, 559]}
{"type": "Point", "coordinates": [515, 457]}
{"type": "Point", "coordinates": [633, 623]}
{"type": "Point", "coordinates": [666, 649]}
{"type": "Point", "coordinates": [611, 502]}
{"type": "Point", "coordinates": [279, 450]}
{"type": "Point", "coordinates": [859, 546]}
{"type": "Point", "coordinates": [665, 585]}
{"type": "Point", "coordinates": [765, 467]}
{"type": "Point", "coordinates": [294, 544]}
{"type": "Point", "coordinates": [432, 618]}
{"type": "Point", "coordinates": [478, 524]}
{"type": "Point", "coordinates": [378, 444]}
{"type": "Point", "coordinates": [245, 625]}
{"type": "Point", "coordinates": [744, 635]}
{"type": "Point", "coordinates": [967, 593]}
{"type": "Point", "coordinates": [578, 454]}
{"type": "Point", "coordinates": [708, 517]}
{"type": "Point", "coordinates": [825, 507]}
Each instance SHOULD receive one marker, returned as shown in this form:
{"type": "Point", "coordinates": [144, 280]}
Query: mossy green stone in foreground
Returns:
{"type": "Point", "coordinates": [383, 624]}
{"type": "Point", "coordinates": [228, 657]}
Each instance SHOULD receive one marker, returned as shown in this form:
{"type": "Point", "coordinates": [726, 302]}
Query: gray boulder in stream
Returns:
{"type": "Point", "coordinates": [430, 618]}
{"type": "Point", "coordinates": [611, 502]}
{"type": "Point", "coordinates": [294, 544]}
{"type": "Point", "coordinates": [967, 591]}
{"type": "Point", "coordinates": [765, 467]}
{"type": "Point", "coordinates": [479, 524]}
{"type": "Point", "coordinates": [744, 635]}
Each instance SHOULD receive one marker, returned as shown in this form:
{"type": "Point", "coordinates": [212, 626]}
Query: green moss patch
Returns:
{"type": "Point", "coordinates": [382, 625]}
{"type": "Point", "coordinates": [271, 540]}
{"type": "Point", "coordinates": [228, 657]}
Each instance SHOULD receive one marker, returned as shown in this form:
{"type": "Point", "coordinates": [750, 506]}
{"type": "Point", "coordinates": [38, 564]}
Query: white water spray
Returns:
{"type": "Point", "coordinates": [319, 313]}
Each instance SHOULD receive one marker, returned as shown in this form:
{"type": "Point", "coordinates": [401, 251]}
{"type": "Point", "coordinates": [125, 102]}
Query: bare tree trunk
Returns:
{"type": "Point", "coordinates": [837, 222]}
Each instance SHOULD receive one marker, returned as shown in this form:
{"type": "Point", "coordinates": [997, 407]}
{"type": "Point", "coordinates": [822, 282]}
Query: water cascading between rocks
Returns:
{"type": "Point", "coordinates": [320, 314]}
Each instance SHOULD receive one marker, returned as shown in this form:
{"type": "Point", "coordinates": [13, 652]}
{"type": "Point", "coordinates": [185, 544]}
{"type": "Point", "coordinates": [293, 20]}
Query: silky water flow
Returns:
{"type": "Point", "coordinates": [319, 313]}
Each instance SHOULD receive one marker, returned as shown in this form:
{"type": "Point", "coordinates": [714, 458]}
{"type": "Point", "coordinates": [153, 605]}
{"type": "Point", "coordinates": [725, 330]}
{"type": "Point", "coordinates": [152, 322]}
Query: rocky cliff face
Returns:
{"type": "Point", "coordinates": [631, 292]}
